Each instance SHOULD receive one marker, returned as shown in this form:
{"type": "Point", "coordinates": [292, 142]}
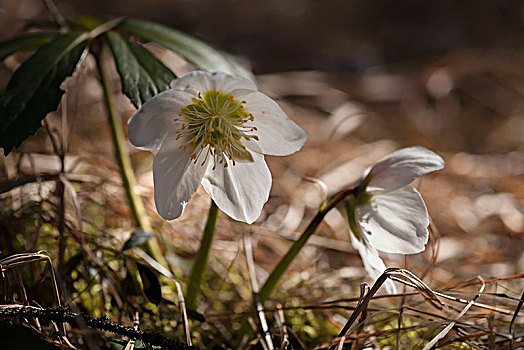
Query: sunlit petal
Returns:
{"type": "Point", "coordinates": [373, 264]}
{"type": "Point", "coordinates": [395, 222]}
{"type": "Point", "coordinates": [200, 81]}
{"type": "Point", "coordinates": [279, 135]}
{"type": "Point", "coordinates": [241, 190]}
{"type": "Point", "coordinates": [149, 126]}
{"type": "Point", "coordinates": [402, 167]}
{"type": "Point", "coordinates": [176, 178]}
{"type": "Point", "coordinates": [197, 81]}
{"type": "Point", "coordinates": [219, 129]}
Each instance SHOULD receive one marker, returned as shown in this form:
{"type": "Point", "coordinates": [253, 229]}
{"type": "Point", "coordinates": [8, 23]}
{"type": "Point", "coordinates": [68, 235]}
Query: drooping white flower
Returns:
{"type": "Point", "coordinates": [373, 264]}
{"type": "Point", "coordinates": [213, 129]}
{"type": "Point", "coordinates": [386, 213]}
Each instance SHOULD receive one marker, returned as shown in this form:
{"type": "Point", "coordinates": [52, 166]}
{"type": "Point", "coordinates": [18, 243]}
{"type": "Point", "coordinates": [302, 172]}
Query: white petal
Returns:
{"type": "Point", "coordinates": [176, 178]}
{"type": "Point", "coordinates": [149, 126]}
{"type": "Point", "coordinates": [373, 264]}
{"type": "Point", "coordinates": [395, 222]}
{"type": "Point", "coordinates": [200, 81]}
{"type": "Point", "coordinates": [229, 83]}
{"type": "Point", "coordinates": [241, 190]}
{"type": "Point", "coordinates": [279, 135]}
{"type": "Point", "coordinates": [400, 168]}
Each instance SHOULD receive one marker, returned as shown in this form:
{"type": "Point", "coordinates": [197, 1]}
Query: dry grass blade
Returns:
{"type": "Point", "coordinates": [362, 304]}
{"type": "Point", "coordinates": [181, 301]}
{"type": "Point", "coordinates": [280, 319]}
{"type": "Point", "coordinates": [417, 283]}
{"type": "Point", "coordinates": [364, 288]}
{"type": "Point", "coordinates": [248, 248]}
{"type": "Point", "coordinates": [459, 300]}
{"type": "Point", "coordinates": [321, 186]}
{"type": "Point", "coordinates": [9, 185]}
{"type": "Point", "coordinates": [446, 330]}
{"type": "Point", "coordinates": [260, 338]}
{"type": "Point", "coordinates": [136, 323]}
{"type": "Point", "coordinates": [72, 192]}
{"type": "Point", "coordinates": [421, 287]}
{"type": "Point", "coordinates": [514, 318]}
{"type": "Point", "coordinates": [28, 258]}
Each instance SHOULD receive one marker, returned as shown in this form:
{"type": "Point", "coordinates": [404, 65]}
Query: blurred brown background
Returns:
{"type": "Point", "coordinates": [448, 75]}
{"type": "Point", "coordinates": [335, 35]}
{"type": "Point", "coordinates": [363, 78]}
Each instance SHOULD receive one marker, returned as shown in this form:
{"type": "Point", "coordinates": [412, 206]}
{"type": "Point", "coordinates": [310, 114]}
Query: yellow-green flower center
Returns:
{"type": "Point", "coordinates": [214, 126]}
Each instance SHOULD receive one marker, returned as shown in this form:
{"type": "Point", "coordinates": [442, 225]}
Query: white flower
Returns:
{"type": "Point", "coordinates": [386, 213]}
{"type": "Point", "coordinates": [373, 264]}
{"type": "Point", "coordinates": [213, 129]}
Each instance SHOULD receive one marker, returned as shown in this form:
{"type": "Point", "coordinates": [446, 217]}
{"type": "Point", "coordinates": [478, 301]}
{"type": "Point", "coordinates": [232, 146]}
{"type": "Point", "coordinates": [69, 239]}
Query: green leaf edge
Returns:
{"type": "Point", "coordinates": [43, 61]}
{"type": "Point", "coordinates": [26, 42]}
{"type": "Point", "coordinates": [137, 66]}
{"type": "Point", "coordinates": [197, 52]}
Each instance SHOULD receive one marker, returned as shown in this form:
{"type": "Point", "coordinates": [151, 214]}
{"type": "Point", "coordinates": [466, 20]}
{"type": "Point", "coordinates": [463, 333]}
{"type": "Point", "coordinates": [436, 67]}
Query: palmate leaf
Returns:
{"type": "Point", "coordinates": [34, 90]}
{"type": "Point", "coordinates": [141, 74]}
{"type": "Point", "coordinates": [23, 43]}
{"type": "Point", "coordinates": [195, 51]}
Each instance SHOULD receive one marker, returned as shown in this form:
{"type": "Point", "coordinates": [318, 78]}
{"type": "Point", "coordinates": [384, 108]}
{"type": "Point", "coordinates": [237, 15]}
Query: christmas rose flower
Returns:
{"type": "Point", "coordinates": [213, 129]}
{"type": "Point", "coordinates": [386, 213]}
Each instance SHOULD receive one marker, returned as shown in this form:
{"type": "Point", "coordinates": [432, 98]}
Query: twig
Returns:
{"type": "Point", "coordinates": [515, 314]}
{"type": "Point", "coordinates": [27, 258]}
{"type": "Point", "coordinates": [64, 314]}
{"type": "Point", "coordinates": [136, 323]}
{"type": "Point", "coordinates": [364, 288]}
{"type": "Point", "coordinates": [257, 332]}
{"type": "Point", "coordinates": [421, 287]}
{"type": "Point", "coordinates": [9, 185]}
{"type": "Point", "coordinates": [181, 302]}
{"type": "Point", "coordinates": [459, 300]}
{"type": "Point", "coordinates": [280, 319]}
{"type": "Point", "coordinates": [57, 16]}
{"type": "Point", "coordinates": [123, 159]}
{"type": "Point", "coordinates": [248, 248]}
{"type": "Point", "coordinates": [446, 330]}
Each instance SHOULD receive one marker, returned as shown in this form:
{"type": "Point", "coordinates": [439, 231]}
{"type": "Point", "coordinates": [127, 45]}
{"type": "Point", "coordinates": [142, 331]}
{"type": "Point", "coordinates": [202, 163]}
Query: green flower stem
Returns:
{"type": "Point", "coordinates": [193, 289]}
{"type": "Point", "coordinates": [124, 163]}
{"type": "Point", "coordinates": [282, 266]}
{"type": "Point", "coordinates": [350, 205]}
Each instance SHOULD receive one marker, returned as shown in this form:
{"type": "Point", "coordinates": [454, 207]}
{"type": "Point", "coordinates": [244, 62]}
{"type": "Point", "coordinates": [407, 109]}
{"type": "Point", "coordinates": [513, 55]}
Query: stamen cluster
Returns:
{"type": "Point", "coordinates": [214, 125]}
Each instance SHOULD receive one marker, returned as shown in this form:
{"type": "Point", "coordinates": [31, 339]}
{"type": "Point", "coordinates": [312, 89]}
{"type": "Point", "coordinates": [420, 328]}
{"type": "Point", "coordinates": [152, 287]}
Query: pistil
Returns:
{"type": "Point", "coordinates": [214, 126]}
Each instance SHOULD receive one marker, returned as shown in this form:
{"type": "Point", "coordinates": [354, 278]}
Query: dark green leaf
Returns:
{"type": "Point", "coordinates": [14, 337]}
{"type": "Point", "coordinates": [195, 51]}
{"type": "Point", "coordinates": [141, 74]}
{"type": "Point", "coordinates": [194, 315]}
{"type": "Point", "coordinates": [131, 285]}
{"type": "Point", "coordinates": [150, 284]}
{"type": "Point", "coordinates": [34, 90]}
{"type": "Point", "coordinates": [137, 238]}
{"type": "Point", "coordinates": [23, 43]}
